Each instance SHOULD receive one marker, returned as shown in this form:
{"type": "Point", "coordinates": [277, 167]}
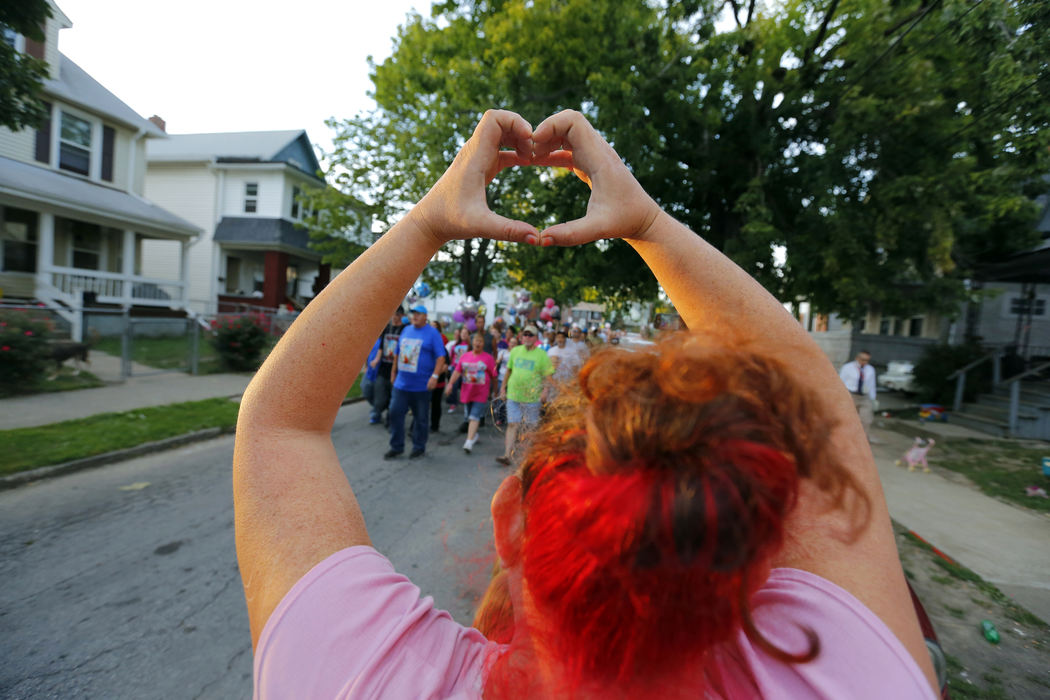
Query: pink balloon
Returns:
{"type": "Point", "coordinates": [549, 303]}
{"type": "Point", "coordinates": [545, 315]}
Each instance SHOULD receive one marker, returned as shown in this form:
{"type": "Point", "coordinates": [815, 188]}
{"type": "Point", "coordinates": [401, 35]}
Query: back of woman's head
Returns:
{"type": "Point", "coordinates": [655, 497]}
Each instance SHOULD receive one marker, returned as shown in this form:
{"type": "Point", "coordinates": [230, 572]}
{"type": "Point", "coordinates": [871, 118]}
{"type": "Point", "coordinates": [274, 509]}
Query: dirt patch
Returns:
{"type": "Point", "coordinates": [957, 600]}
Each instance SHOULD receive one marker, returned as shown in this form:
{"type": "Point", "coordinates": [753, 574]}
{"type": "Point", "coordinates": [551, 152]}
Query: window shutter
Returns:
{"type": "Point", "coordinates": [108, 134]}
{"type": "Point", "coordinates": [43, 137]}
{"type": "Point", "coordinates": [35, 48]}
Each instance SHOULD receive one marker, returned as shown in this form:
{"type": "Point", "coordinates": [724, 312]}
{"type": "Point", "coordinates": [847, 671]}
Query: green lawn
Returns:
{"type": "Point", "coordinates": [66, 380]}
{"type": "Point", "coordinates": [1000, 468]}
{"type": "Point", "coordinates": [172, 352]}
{"type": "Point", "coordinates": [28, 448]}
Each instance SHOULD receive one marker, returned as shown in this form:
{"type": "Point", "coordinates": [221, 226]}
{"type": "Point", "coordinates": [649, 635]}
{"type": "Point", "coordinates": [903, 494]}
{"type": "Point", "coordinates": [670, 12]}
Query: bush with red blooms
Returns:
{"type": "Point", "coordinates": [240, 340]}
{"type": "Point", "coordinates": [25, 354]}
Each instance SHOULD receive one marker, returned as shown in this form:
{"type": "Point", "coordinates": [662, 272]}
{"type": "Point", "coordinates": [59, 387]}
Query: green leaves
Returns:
{"type": "Point", "coordinates": [886, 149]}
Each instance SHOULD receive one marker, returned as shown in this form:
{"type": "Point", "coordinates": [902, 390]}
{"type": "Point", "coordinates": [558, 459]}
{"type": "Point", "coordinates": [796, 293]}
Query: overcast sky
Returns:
{"type": "Point", "coordinates": [235, 65]}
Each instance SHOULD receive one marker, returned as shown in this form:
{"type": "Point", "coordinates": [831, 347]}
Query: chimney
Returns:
{"type": "Point", "coordinates": [160, 123]}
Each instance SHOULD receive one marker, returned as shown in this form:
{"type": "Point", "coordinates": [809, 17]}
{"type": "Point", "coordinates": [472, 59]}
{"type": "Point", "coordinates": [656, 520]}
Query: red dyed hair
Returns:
{"type": "Point", "coordinates": [654, 499]}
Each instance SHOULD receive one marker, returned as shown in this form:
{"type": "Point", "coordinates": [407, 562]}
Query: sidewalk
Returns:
{"type": "Point", "coordinates": [1006, 545]}
{"type": "Point", "coordinates": [136, 392]}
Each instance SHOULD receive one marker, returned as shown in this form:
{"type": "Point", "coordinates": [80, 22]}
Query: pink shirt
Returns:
{"type": "Point", "coordinates": [354, 628]}
{"type": "Point", "coordinates": [478, 371]}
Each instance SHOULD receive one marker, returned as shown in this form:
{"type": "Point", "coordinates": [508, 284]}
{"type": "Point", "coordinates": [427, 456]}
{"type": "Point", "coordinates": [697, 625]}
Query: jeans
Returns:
{"type": "Point", "coordinates": [380, 395]}
{"type": "Point", "coordinates": [436, 407]}
{"type": "Point", "coordinates": [401, 402]}
{"type": "Point", "coordinates": [368, 387]}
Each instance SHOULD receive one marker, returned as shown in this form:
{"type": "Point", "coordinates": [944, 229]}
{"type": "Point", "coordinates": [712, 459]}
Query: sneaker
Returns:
{"type": "Point", "coordinates": [469, 445]}
{"type": "Point", "coordinates": [451, 409]}
{"type": "Point", "coordinates": [390, 454]}
{"type": "Point", "coordinates": [374, 421]}
{"type": "Point", "coordinates": [416, 454]}
{"type": "Point", "coordinates": [503, 460]}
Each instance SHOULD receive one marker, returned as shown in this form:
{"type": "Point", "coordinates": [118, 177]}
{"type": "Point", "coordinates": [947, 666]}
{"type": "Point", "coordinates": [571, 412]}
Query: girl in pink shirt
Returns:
{"type": "Point", "coordinates": [477, 369]}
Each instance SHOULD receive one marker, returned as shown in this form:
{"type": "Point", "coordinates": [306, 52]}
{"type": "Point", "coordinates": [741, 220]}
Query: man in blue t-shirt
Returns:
{"type": "Point", "coordinates": [420, 361]}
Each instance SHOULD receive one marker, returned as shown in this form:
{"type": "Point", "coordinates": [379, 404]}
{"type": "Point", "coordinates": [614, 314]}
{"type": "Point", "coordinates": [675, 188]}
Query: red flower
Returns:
{"type": "Point", "coordinates": [29, 332]}
{"type": "Point", "coordinates": [234, 344]}
{"type": "Point", "coordinates": [5, 348]}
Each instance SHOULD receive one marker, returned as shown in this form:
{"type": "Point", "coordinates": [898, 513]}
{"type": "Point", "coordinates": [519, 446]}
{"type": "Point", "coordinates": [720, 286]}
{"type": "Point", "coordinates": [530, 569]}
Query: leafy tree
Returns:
{"type": "Point", "coordinates": [22, 76]}
{"type": "Point", "coordinates": [881, 149]}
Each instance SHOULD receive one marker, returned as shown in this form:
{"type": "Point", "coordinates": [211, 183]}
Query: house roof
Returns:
{"type": "Point", "coordinates": [289, 147]}
{"type": "Point", "coordinates": [260, 232]}
{"type": "Point", "coordinates": [78, 88]}
{"type": "Point", "coordinates": [30, 185]}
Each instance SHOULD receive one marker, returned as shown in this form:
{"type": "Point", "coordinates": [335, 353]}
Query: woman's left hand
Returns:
{"type": "Point", "coordinates": [455, 207]}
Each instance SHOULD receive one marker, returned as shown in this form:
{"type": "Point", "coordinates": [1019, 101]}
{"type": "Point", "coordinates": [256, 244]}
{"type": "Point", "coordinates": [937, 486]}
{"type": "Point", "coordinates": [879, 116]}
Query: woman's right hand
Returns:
{"type": "Point", "coordinates": [618, 206]}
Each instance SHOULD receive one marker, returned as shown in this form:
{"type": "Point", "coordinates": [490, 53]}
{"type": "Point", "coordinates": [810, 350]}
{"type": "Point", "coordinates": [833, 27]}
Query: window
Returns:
{"type": "Point", "coordinates": [296, 193]}
{"type": "Point", "coordinates": [233, 275]}
{"type": "Point", "coordinates": [74, 141]}
{"type": "Point", "coordinates": [1019, 306]}
{"type": "Point", "coordinates": [291, 275]}
{"type": "Point", "coordinates": [251, 197]}
{"type": "Point", "coordinates": [884, 326]}
{"type": "Point", "coordinates": [915, 328]}
{"type": "Point", "coordinates": [87, 245]}
{"type": "Point", "coordinates": [18, 240]}
{"type": "Point", "coordinates": [898, 326]}
{"type": "Point", "coordinates": [13, 39]}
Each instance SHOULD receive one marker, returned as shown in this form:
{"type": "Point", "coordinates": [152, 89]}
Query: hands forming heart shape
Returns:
{"type": "Point", "coordinates": [456, 208]}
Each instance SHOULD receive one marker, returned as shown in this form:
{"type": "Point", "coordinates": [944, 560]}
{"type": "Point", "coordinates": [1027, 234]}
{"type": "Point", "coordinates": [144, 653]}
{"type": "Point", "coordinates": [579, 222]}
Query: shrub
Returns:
{"type": "Point", "coordinates": [25, 353]}
{"type": "Point", "coordinates": [938, 361]}
{"type": "Point", "coordinates": [240, 340]}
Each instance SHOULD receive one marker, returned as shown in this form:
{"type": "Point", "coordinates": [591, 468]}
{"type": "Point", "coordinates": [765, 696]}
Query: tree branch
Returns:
{"type": "Point", "coordinates": [822, 32]}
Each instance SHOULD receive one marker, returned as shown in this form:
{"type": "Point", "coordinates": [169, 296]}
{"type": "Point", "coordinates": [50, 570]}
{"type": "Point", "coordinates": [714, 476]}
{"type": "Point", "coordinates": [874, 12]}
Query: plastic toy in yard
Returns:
{"type": "Point", "coordinates": [916, 456]}
{"type": "Point", "coordinates": [932, 411]}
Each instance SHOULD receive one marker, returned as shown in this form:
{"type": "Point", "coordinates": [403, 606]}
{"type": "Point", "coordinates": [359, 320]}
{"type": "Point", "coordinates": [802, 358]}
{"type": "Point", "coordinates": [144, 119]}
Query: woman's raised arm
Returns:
{"type": "Point", "coordinates": [713, 294]}
{"type": "Point", "coordinates": [293, 505]}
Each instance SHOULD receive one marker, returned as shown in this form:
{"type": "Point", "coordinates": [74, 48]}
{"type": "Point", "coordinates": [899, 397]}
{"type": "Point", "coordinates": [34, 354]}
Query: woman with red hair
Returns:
{"type": "Point", "coordinates": [703, 519]}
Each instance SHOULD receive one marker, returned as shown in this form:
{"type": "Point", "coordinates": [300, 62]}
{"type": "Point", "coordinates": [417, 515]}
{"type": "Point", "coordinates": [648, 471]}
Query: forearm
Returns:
{"type": "Point", "coordinates": [304, 380]}
{"type": "Point", "coordinates": [713, 294]}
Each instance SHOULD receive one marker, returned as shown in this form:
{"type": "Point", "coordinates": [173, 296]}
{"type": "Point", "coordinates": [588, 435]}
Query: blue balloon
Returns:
{"type": "Point", "coordinates": [423, 289]}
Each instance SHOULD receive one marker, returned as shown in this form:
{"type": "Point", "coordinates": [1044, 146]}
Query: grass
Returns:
{"type": "Point", "coordinates": [165, 352]}
{"type": "Point", "coordinates": [28, 448]}
{"type": "Point", "coordinates": [66, 380]}
{"type": "Point", "coordinates": [957, 571]}
{"type": "Point", "coordinates": [964, 689]}
{"type": "Point", "coordinates": [999, 468]}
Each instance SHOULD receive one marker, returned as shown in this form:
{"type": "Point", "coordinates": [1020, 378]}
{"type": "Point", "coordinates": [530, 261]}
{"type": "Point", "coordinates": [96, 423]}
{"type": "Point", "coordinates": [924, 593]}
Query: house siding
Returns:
{"type": "Point", "coordinates": [271, 193]}
{"type": "Point", "coordinates": [51, 54]}
{"type": "Point", "coordinates": [998, 325]}
{"type": "Point", "coordinates": [18, 145]}
{"type": "Point", "coordinates": [190, 191]}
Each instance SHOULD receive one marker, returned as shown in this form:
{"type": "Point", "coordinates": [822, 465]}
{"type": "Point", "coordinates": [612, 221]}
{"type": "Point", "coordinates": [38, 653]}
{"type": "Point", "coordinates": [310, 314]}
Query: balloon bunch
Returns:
{"type": "Point", "coordinates": [468, 313]}
{"type": "Point", "coordinates": [550, 311]}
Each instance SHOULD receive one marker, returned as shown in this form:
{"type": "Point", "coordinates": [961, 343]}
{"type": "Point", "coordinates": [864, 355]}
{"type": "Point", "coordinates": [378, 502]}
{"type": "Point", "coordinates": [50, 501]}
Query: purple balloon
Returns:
{"type": "Point", "coordinates": [471, 325]}
{"type": "Point", "coordinates": [458, 316]}
{"type": "Point", "coordinates": [469, 313]}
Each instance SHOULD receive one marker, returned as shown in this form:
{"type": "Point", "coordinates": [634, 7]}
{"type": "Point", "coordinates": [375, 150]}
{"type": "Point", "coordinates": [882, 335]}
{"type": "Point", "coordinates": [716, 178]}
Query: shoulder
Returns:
{"type": "Point", "coordinates": [859, 656]}
{"type": "Point", "coordinates": [354, 619]}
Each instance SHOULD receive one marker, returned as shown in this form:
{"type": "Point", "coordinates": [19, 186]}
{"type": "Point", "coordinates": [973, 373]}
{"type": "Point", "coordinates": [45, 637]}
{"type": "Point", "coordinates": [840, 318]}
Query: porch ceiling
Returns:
{"type": "Point", "coordinates": [22, 184]}
{"type": "Point", "coordinates": [1030, 266]}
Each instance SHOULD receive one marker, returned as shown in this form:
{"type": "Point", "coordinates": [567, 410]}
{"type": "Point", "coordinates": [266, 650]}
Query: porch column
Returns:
{"type": "Point", "coordinates": [324, 276]}
{"type": "Point", "coordinates": [275, 278]}
{"type": "Point", "coordinates": [184, 273]}
{"type": "Point", "coordinates": [127, 267]}
{"type": "Point", "coordinates": [45, 248]}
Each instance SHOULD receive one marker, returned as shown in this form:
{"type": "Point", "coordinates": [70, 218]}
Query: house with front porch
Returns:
{"type": "Point", "coordinates": [242, 189]}
{"type": "Point", "coordinates": [73, 219]}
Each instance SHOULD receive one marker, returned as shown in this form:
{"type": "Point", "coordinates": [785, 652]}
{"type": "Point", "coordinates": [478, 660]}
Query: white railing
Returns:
{"type": "Point", "coordinates": [115, 288]}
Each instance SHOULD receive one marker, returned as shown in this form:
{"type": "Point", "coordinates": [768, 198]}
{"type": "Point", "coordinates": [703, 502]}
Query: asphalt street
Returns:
{"type": "Point", "coordinates": [122, 582]}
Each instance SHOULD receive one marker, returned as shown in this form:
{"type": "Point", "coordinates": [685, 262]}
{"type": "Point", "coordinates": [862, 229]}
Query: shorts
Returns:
{"type": "Point", "coordinates": [475, 410]}
{"type": "Point", "coordinates": [517, 411]}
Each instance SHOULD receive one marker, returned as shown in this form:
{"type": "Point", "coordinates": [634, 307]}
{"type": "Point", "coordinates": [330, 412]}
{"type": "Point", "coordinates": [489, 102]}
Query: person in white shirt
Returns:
{"type": "Point", "coordinates": [859, 378]}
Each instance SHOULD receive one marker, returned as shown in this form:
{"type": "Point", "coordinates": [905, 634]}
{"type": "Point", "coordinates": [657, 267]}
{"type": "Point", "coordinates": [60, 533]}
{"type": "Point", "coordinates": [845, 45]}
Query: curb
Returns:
{"type": "Point", "coordinates": [20, 478]}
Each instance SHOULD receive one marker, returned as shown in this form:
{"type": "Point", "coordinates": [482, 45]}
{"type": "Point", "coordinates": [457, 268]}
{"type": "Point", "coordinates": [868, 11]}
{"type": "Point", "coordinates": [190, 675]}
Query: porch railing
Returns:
{"type": "Point", "coordinates": [115, 288]}
{"type": "Point", "coordinates": [1013, 382]}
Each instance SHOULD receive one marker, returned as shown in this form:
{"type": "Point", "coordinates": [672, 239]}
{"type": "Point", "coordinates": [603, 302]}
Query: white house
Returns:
{"type": "Point", "coordinates": [73, 219]}
{"type": "Point", "coordinates": [241, 189]}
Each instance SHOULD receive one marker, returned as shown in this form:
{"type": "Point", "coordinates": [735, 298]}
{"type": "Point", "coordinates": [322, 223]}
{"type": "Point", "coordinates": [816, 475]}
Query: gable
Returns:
{"type": "Point", "coordinates": [300, 154]}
